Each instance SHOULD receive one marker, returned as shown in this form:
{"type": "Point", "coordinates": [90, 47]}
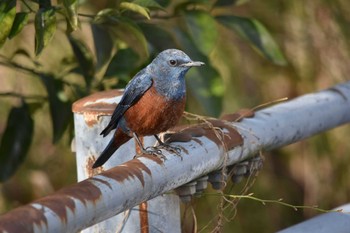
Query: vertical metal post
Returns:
{"type": "Point", "coordinates": [91, 115]}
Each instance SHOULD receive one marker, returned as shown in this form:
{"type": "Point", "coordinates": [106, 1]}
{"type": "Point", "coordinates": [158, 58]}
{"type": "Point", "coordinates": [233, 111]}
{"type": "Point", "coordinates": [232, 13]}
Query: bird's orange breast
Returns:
{"type": "Point", "coordinates": [153, 114]}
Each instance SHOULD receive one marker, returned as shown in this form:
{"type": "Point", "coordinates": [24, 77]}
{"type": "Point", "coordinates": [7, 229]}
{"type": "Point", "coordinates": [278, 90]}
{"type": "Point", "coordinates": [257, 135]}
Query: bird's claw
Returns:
{"type": "Point", "coordinates": [172, 149]}
{"type": "Point", "coordinates": [154, 151]}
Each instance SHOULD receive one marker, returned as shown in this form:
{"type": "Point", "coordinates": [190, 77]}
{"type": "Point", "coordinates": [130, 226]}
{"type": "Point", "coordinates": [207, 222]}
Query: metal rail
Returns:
{"type": "Point", "coordinates": [338, 222]}
{"type": "Point", "coordinates": [122, 187]}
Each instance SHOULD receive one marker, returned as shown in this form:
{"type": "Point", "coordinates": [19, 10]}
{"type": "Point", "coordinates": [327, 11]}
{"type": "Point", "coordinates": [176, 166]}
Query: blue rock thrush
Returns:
{"type": "Point", "coordinates": [153, 102]}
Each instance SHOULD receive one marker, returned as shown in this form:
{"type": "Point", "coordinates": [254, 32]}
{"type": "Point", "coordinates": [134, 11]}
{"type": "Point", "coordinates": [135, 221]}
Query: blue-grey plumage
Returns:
{"type": "Point", "coordinates": [153, 101]}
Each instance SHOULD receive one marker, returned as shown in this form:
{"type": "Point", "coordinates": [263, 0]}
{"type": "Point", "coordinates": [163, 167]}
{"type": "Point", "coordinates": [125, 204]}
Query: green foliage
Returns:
{"type": "Point", "coordinates": [7, 17]}
{"type": "Point", "coordinates": [202, 29]}
{"type": "Point", "coordinates": [88, 46]}
{"type": "Point", "coordinates": [71, 13]}
{"type": "Point", "coordinates": [45, 28]}
{"type": "Point", "coordinates": [20, 21]}
{"type": "Point", "coordinates": [256, 33]}
{"type": "Point", "coordinates": [60, 105]}
{"type": "Point", "coordinates": [15, 140]}
{"type": "Point", "coordinates": [135, 8]}
{"type": "Point", "coordinates": [124, 35]}
{"type": "Point", "coordinates": [85, 59]}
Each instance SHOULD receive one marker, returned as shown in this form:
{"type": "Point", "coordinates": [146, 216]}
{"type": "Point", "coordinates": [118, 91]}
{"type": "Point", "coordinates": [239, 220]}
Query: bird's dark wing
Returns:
{"type": "Point", "coordinates": [133, 92]}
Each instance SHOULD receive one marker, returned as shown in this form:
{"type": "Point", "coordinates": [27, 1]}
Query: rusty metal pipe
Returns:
{"type": "Point", "coordinates": [122, 187]}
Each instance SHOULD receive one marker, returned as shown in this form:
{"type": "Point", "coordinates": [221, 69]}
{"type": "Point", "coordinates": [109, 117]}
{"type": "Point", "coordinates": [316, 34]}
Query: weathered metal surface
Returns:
{"type": "Point", "coordinates": [127, 185]}
{"type": "Point", "coordinates": [335, 222]}
{"type": "Point", "coordinates": [92, 114]}
{"type": "Point", "coordinates": [297, 119]}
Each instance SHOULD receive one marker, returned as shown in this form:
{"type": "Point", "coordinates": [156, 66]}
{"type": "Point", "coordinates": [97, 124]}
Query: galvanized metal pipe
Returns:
{"type": "Point", "coordinates": [125, 186]}
{"type": "Point", "coordinates": [336, 222]}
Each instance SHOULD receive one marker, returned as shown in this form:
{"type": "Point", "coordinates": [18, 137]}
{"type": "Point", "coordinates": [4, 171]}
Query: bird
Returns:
{"type": "Point", "coordinates": [153, 101]}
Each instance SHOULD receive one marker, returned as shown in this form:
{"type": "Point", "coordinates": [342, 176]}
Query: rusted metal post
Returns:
{"type": "Point", "coordinates": [91, 115]}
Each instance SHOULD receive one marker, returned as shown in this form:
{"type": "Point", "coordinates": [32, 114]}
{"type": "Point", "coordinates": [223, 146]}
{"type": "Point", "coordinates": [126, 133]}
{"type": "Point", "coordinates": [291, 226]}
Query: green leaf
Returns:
{"type": "Point", "coordinates": [164, 3]}
{"type": "Point", "coordinates": [256, 33]}
{"type": "Point", "coordinates": [43, 3]}
{"type": "Point", "coordinates": [157, 37]}
{"type": "Point", "coordinates": [71, 9]}
{"type": "Point", "coordinates": [45, 28]}
{"type": "Point", "coordinates": [60, 106]}
{"type": "Point", "coordinates": [181, 6]}
{"type": "Point", "coordinates": [85, 59]}
{"type": "Point", "coordinates": [15, 141]}
{"type": "Point", "coordinates": [7, 17]}
{"type": "Point", "coordinates": [104, 45]}
{"type": "Point", "coordinates": [107, 16]}
{"type": "Point", "coordinates": [122, 65]}
{"type": "Point", "coordinates": [20, 21]}
{"type": "Point", "coordinates": [130, 33]}
{"type": "Point", "coordinates": [202, 29]}
{"type": "Point", "coordinates": [34, 106]}
{"type": "Point", "coordinates": [204, 83]}
{"type": "Point", "coordinates": [123, 29]}
{"type": "Point", "coordinates": [224, 2]}
{"type": "Point", "coordinates": [149, 4]}
{"type": "Point", "coordinates": [135, 8]}
{"type": "Point", "coordinates": [230, 2]}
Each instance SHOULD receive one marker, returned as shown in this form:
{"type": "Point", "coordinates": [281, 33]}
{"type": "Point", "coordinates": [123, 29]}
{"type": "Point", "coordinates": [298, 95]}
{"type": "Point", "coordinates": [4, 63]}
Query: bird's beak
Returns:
{"type": "Point", "coordinates": [193, 63]}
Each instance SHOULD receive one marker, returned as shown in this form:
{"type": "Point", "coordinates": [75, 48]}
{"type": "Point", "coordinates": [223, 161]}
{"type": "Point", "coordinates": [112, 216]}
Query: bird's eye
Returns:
{"type": "Point", "coordinates": [173, 62]}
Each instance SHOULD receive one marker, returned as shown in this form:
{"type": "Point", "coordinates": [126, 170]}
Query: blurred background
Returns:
{"type": "Point", "coordinates": [55, 52]}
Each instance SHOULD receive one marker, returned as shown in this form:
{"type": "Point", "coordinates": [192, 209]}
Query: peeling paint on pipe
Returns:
{"type": "Point", "coordinates": [122, 187]}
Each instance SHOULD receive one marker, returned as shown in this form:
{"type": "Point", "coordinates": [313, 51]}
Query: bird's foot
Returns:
{"type": "Point", "coordinates": [172, 149]}
{"type": "Point", "coordinates": [154, 151]}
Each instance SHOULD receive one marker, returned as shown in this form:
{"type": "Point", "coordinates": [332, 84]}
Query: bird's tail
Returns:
{"type": "Point", "coordinates": [119, 138]}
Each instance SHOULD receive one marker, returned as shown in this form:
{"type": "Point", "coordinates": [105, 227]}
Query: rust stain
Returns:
{"type": "Point", "coordinates": [85, 191]}
{"type": "Point", "coordinates": [26, 216]}
{"type": "Point", "coordinates": [176, 128]}
{"type": "Point", "coordinates": [218, 123]}
{"type": "Point", "coordinates": [186, 134]}
{"type": "Point", "coordinates": [90, 119]}
{"type": "Point", "coordinates": [144, 225]}
{"type": "Point", "coordinates": [90, 171]}
{"type": "Point", "coordinates": [130, 169]}
{"type": "Point", "coordinates": [94, 111]}
{"type": "Point", "coordinates": [198, 141]}
{"type": "Point", "coordinates": [196, 131]}
{"type": "Point", "coordinates": [184, 150]}
{"type": "Point", "coordinates": [239, 115]}
{"type": "Point", "coordinates": [22, 219]}
{"type": "Point", "coordinates": [178, 137]}
{"type": "Point", "coordinates": [59, 205]}
{"type": "Point", "coordinates": [93, 103]}
{"type": "Point", "coordinates": [103, 182]}
{"type": "Point", "coordinates": [154, 159]}
{"type": "Point", "coordinates": [231, 138]}
{"type": "Point", "coordinates": [101, 108]}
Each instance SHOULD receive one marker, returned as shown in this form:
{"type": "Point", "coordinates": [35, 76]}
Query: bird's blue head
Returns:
{"type": "Point", "coordinates": [168, 70]}
{"type": "Point", "coordinates": [174, 61]}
